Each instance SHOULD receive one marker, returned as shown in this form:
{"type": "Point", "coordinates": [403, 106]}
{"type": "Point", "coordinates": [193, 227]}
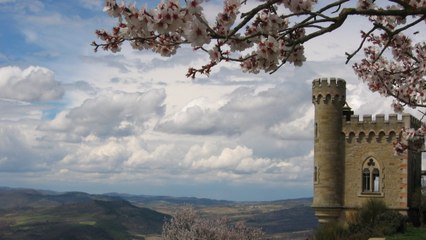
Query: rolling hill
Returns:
{"type": "Point", "coordinates": [40, 214]}
{"type": "Point", "coordinates": [29, 214]}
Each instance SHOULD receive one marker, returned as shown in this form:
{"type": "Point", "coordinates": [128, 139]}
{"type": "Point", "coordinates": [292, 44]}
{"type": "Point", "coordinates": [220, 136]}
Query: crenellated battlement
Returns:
{"type": "Point", "coordinates": [326, 90]}
{"type": "Point", "coordinates": [329, 83]}
{"type": "Point", "coordinates": [377, 128]}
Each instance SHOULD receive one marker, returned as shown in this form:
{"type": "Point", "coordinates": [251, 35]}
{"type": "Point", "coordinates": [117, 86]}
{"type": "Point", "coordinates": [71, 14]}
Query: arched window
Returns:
{"type": "Point", "coordinates": [371, 176]}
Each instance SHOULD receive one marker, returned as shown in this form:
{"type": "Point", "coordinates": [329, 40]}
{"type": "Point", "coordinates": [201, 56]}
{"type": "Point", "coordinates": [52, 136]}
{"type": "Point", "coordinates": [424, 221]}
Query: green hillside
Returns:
{"type": "Point", "coordinates": [75, 216]}
{"type": "Point", "coordinates": [38, 214]}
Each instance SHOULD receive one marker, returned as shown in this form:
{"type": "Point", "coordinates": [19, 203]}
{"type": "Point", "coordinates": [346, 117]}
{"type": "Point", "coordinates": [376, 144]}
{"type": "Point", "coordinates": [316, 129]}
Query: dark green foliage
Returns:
{"type": "Point", "coordinates": [412, 233]}
{"type": "Point", "coordinates": [80, 232]}
{"type": "Point", "coordinates": [363, 234]}
{"type": "Point", "coordinates": [391, 222]}
{"type": "Point", "coordinates": [419, 201]}
{"type": "Point", "coordinates": [359, 232]}
{"type": "Point", "coordinates": [56, 231]}
{"type": "Point", "coordinates": [89, 219]}
{"type": "Point", "coordinates": [331, 231]}
{"type": "Point", "coordinates": [373, 219]}
{"type": "Point", "coordinates": [370, 211]}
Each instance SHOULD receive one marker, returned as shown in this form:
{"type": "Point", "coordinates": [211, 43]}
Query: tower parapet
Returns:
{"type": "Point", "coordinates": [328, 89]}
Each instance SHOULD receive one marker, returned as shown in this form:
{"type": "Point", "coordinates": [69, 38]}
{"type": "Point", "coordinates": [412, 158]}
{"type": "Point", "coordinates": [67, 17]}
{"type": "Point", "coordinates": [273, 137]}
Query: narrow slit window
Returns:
{"type": "Point", "coordinates": [315, 174]}
{"type": "Point", "coordinates": [366, 180]}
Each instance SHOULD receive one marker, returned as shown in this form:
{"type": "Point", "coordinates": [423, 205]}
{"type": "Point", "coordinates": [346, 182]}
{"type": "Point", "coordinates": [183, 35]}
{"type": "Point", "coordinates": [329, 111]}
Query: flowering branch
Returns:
{"type": "Point", "coordinates": [169, 25]}
{"type": "Point", "coordinates": [273, 33]}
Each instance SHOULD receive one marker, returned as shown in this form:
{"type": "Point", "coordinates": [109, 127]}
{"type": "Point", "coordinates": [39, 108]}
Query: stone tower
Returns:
{"type": "Point", "coordinates": [329, 99]}
{"type": "Point", "coordinates": [354, 158]}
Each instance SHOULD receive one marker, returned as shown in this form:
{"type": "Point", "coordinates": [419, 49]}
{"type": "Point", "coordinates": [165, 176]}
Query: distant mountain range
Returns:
{"type": "Point", "coordinates": [41, 214]}
{"type": "Point", "coordinates": [21, 197]}
{"type": "Point", "coordinates": [147, 199]}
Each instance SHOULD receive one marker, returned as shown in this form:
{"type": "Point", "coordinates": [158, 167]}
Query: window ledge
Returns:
{"type": "Point", "coordinates": [371, 194]}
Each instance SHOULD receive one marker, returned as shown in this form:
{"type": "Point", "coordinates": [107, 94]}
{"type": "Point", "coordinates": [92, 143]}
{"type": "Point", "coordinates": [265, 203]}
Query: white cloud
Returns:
{"type": "Point", "coordinates": [105, 157]}
{"type": "Point", "coordinates": [241, 165]}
{"type": "Point", "coordinates": [240, 110]}
{"type": "Point", "coordinates": [238, 159]}
{"type": "Point", "coordinates": [298, 128]}
{"type": "Point", "coordinates": [17, 153]}
{"type": "Point", "coordinates": [135, 159]}
{"type": "Point", "coordinates": [151, 157]}
{"type": "Point", "coordinates": [30, 84]}
{"type": "Point", "coordinates": [14, 110]}
{"type": "Point", "coordinates": [110, 114]}
{"type": "Point", "coordinates": [194, 120]}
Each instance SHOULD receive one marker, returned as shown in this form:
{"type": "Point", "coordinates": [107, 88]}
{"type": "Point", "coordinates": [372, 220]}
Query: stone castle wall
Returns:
{"type": "Point", "coordinates": [342, 148]}
{"type": "Point", "coordinates": [367, 137]}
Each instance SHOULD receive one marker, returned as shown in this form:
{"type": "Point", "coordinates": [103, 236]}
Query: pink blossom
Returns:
{"type": "Point", "coordinates": [214, 54]}
{"type": "Point", "coordinates": [187, 224]}
{"type": "Point", "coordinates": [194, 6]}
{"type": "Point", "coordinates": [196, 33]}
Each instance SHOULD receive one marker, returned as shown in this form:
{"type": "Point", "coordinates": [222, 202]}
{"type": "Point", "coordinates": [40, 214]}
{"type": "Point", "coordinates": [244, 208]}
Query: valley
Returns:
{"type": "Point", "coordinates": [35, 214]}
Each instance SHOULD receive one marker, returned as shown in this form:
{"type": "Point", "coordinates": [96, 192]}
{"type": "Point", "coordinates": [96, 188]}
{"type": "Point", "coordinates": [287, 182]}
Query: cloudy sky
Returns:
{"type": "Point", "coordinates": [75, 120]}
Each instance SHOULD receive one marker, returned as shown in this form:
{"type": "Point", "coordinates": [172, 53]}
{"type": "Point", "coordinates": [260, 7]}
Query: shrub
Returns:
{"type": "Point", "coordinates": [391, 222]}
{"type": "Point", "coordinates": [187, 224]}
{"type": "Point", "coordinates": [331, 231]}
{"type": "Point", "coordinates": [375, 219]}
{"type": "Point", "coordinates": [370, 211]}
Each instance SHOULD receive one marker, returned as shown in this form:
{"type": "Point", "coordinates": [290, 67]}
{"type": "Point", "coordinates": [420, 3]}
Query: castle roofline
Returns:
{"type": "Point", "coordinates": [384, 119]}
{"type": "Point", "coordinates": [378, 125]}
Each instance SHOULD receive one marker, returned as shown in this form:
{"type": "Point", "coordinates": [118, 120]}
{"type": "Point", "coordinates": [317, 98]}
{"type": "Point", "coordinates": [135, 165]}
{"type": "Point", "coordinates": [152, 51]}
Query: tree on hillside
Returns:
{"type": "Point", "coordinates": [272, 33]}
{"type": "Point", "coordinates": [187, 224]}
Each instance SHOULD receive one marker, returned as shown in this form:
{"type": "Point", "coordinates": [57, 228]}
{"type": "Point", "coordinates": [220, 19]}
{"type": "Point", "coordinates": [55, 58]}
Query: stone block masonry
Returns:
{"type": "Point", "coordinates": [354, 157]}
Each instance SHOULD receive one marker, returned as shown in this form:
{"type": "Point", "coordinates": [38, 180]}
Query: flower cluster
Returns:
{"type": "Point", "coordinates": [410, 138]}
{"type": "Point", "coordinates": [299, 5]}
{"type": "Point", "coordinates": [402, 75]}
{"type": "Point", "coordinates": [394, 65]}
{"type": "Point", "coordinates": [227, 17]}
{"type": "Point", "coordinates": [165, 28]}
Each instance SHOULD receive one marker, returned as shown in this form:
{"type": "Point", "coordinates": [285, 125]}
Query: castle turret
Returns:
{"type": "Point", "coordinates": [328, 96]}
